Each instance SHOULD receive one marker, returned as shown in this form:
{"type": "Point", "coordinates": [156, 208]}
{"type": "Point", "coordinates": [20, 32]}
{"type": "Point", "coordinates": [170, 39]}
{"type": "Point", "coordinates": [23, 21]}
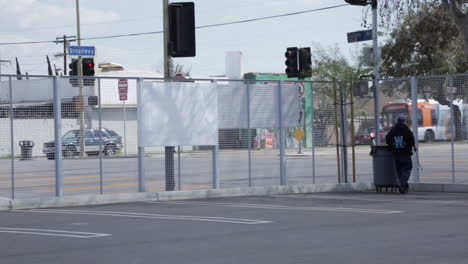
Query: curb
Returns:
{"type": "Point", "coordinates": [100, 199]}
{"type": "Point", "coordinates": [440, 188]}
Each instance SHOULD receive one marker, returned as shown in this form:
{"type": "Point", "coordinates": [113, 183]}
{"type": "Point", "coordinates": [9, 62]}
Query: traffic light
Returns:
{"type": "Point", "coordinates": [88, 70]}
{"type": "Point", "coordinates": [73, 72]}
{"type": "Point", "coordinates": [93, 100]}
{"type": "Point", "coordinates": [182, 29]}
{"type": "Point", "coordinates": [357, 2]}
{"type": "Point", "coordinates": [305, 63]}
{"type": "Point", "coordinates": [73, 67]}
{"type": "Point", "coordinates": [291, 62]}
{"type": "Point", "coordinates": [88, 66]}
{"type": "Point", "coordinates": [361, 88]}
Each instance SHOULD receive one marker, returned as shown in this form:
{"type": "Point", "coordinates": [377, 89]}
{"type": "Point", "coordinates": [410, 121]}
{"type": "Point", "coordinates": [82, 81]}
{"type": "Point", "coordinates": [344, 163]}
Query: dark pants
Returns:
{"type": "Point", "coordinates": [404, 165]}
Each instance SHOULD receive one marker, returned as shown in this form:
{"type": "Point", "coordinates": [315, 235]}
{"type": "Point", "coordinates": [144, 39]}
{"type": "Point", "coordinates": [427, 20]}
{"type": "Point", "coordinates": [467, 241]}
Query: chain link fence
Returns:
{"type": "Point", "coordinates": [269, 133]}
{"type": "Point", "coordinates": [442, 117]}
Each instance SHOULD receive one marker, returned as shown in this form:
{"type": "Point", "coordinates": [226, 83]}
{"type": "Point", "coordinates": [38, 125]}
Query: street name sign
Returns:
{"type": "Point", "coordinates": [357, 36]}
{"type": "Point", "coordinates": [81, 50]}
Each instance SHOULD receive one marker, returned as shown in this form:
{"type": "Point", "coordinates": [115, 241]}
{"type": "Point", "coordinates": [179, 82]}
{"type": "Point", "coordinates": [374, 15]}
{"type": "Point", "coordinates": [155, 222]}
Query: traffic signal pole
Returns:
{"type": "Point", "coordinates": [168, 150]}
{"type": "Point", "coordinates": [376, 72]}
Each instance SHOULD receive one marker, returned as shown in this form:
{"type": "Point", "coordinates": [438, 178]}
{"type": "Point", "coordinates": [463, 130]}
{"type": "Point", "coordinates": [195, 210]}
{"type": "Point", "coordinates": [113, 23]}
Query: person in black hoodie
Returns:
{"type": "Point", "coordinates": [401, 140]}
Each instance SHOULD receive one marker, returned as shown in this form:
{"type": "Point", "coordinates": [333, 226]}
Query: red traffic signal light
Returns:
{"type": "Point", "coordinates": [291, 62]}
{"type": "Point", "coordinates": [88, 66]}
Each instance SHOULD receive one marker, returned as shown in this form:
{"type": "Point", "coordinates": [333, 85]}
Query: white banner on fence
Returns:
{"type": "Point", "coordinates": [39, 90]}
{"type": "Point", "coordinates": [263, 106]}
{"type": "Point", "coordinates": [178, 114]}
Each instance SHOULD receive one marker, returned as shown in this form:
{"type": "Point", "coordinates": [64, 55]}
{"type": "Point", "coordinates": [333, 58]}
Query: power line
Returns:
{"type": "Point", "coordinates": [271, 17]}
{"type": "Point", "coordinates": [206, 26]}
{"type": "Point", "coordinates": [82, 24]}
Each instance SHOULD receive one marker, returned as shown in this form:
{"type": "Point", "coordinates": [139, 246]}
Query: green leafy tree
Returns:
{"type": "Point", "coordinates": [393, 11]}
{"type": "Point", "coordinates": [427, 42]}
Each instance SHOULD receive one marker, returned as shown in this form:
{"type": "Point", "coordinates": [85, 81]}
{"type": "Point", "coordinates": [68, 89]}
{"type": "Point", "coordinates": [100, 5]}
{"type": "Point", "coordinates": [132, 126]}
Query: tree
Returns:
{"type": "Point", "coordinates": [412, 51]}
{"type": "Point", "coordinates": [330, 68]}
{"type": "Point", "coordinates": [394, 10]}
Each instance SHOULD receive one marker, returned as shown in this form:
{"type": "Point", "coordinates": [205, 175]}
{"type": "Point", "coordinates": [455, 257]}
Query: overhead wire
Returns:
{"type": "Point", "coordinates": [199, 27]}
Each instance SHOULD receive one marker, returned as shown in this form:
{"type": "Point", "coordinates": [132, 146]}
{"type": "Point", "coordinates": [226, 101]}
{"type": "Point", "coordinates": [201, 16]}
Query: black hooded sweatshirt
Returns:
{"type": "Point", "coordinates": [400, 139]}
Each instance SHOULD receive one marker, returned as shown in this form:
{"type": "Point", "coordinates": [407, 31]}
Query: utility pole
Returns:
{"type": "Point", "coordinates": [168, 150]}
{"type": "Point", "coordinates": [65, 40]}
{"type": "Point", "coordinates": [80, 82]}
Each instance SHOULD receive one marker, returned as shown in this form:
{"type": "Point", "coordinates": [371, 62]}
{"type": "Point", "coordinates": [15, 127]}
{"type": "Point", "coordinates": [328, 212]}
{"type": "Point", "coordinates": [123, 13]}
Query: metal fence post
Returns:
{"type": "Point", "coordinates": [101, 176]}
{"type": "Point", "coordinates": [249, 135]}
{"type": "Point", "coordinates": [141, 149]}
{"type": "Point", "coordinates": [452, 127]}
{"type": "Point", "coordinates": [215, 159]}
{"type": "Point", "coordinates": [353, 143]}
{"type": "Point", "coordinates": [414, 126]}
{"type": "Point", "coordinates": [344, 133]}
{"type": "Point", "coordinates": [12, 144]}
{"type": "Point", "coordinates": [337, 135]}
{"type": "Point", "coordinates": [58, 138]}
{"type": "Point", "coordinates": [179, 180]}
{"type": "Point", "coordinates": [215, 167]}
{"type": "Point", "coordinates": [312, 123]}
{"type": "Point", "coordinates": [283, 176]}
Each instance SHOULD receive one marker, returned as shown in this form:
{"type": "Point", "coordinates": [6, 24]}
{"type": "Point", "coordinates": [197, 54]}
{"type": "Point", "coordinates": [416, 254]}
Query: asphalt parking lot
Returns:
{"type": "Point", "coordinates": [303, 228]}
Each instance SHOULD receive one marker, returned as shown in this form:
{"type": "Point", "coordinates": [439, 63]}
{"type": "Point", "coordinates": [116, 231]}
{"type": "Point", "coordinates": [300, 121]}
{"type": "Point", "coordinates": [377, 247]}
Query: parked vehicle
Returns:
{"type": "Point", "coordinates": [366, 136]}
{"type": "Point", "coordinates": [106, 140]}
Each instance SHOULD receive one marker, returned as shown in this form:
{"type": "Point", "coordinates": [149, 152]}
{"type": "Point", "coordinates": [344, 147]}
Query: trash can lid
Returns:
{"type": "Point", "coordinates": [376, 148]}
{"type": "Point", "coordinates": [26, 143]}
{"type": "Point", "coordinates": [381, 146]}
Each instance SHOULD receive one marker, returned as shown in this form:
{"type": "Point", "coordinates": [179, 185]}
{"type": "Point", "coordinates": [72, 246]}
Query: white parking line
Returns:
{"type": "Point", "coordinates": [375, 199]}
{"type": "Point", "coordinates": [152, 216]}
{"type": "Point", "coordinates": [47, 232]}
{"type": "Point", "coordinates": [283, 207]}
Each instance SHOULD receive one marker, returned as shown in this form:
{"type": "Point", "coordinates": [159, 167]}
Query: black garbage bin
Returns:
{"type": "Point", "coordinates": [383, 165]}
{"type": "Point", "coordinates": [26, 149]}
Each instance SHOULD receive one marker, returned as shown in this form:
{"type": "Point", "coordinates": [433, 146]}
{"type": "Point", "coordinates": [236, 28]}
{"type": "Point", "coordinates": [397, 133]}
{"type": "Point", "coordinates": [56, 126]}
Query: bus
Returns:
{"type": "Point", "coordinates": [434, 120]}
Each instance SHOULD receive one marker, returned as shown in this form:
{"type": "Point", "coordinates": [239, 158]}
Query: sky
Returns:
{"type": "Point", "coordinates": [262, 43]}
